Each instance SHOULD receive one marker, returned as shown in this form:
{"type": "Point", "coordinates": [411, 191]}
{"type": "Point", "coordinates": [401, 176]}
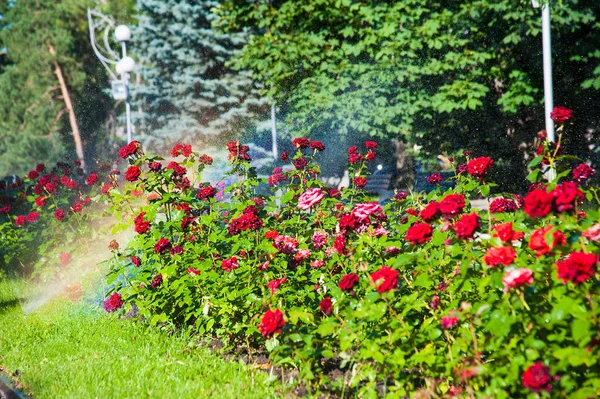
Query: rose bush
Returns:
{"type": "Point", "coordinates": [424, 296]}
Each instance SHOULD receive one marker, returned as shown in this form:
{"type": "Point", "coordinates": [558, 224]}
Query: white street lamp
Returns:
{"type": "Point", "coordinates": [123, 64]}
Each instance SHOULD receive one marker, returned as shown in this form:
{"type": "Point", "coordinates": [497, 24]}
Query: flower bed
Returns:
{"type": "Point", "coordinates": [424, 296]}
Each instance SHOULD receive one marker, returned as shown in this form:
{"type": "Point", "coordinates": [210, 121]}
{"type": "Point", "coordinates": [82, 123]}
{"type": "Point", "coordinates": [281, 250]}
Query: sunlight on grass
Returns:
{"type": "Point", "coordinates": [76, 350]}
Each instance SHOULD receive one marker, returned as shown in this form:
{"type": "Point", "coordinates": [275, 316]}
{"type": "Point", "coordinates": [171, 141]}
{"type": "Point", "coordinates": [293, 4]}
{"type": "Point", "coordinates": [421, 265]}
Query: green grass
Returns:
{"type": "Point", "coordinates": [76, 350]}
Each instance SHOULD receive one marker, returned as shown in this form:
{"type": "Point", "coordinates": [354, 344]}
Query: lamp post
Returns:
{"type": "Point", "coordinates": [123, 64]}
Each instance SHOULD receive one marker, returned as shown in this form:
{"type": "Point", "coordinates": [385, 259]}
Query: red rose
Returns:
{"type": "Point", "coordinates": [132, 173]}
{"type": "Point", "coordinates": [499, 256]}
{"type": "Point", "coordinates": [272, 322]}
{"type": "Point", "coordinates": [452, 204]}
{"type": "Point", "coordinates": [285, 156]}
{"type": "Point", "coordinates": [537, 378]}
{"type": "Point", "coordinates": [33, 174]}
{"type": "Point", "coordinates": [502, 205]}
{"type": "Point", "coordinates": [538, 203]}
{"type": "Point", "coordinates": [162, 246]}
{"type": "Point", "coordinates": [434, 178]}
{"type": "Point", "coordinates": [274, 284]}
{"type": "Point", "coordinates": [113, 303]}
{"type": "Point", "coordinates": [348, 282]}
{"type": "Point", "coordinates": [300, 163]}
{"type": "Point", "coordinates": [360, 182]}
{"type": "Point", "coordinates": [566, 195]}
{"type": "Point", "coordinates": [370, 144]}
{"type": "Point", "coordinates": [32, 217]}
{"type": "Point", "coordinates": [539, 244]}
{"type": "Point", "coordinates": [141, 226]}
{"type": "Point", "coordinates": [577, 267]}
{"type": "Point", "coordinates": [156, 281]}
{"type": "Point", "coordinates": [20, 220]}
{"type": "Point", "coordinates": [300, 142]}
{"type": "Point", "coordinates": [92, 178]}
{"type": "Point", "coordinates": [40, 167]}
{"type": "Point", "coordinates": [418, 233]}
{"type": "Point", "coordinates": [177, 169]}
{"type": "Point", "coordinates": [506, 233]}
{"type": "Point", "coordinates": [479, 167]}
{"type": "Point", "coordinates": [181, 149]}
{"type": "Point", "coordinates": [205, 193]}
{"type": "Point", "coordinates": [229, 264]}
{"type": "Point", "coordinates": [40, 201]}
{"type": "Point", "coordinates": [465, 226]}
{"type": "Point", "coordinates": [5, 209]}
{"type": "Point", "coordinates": [430, 211]}
{"type": "Point", "coordinates": [64, 258]}
{"type": "Point", "coordinates": [516, 278]}
{"type": "Point", "coordinates": [326, 305]}
{"type": "Point", "coordinates": [561, 114]}
{"type": "Point", "coordinates": [583, 173]}
{"type": "Point", "coordinates": [385, 279]}
{"type": "Point", "coordinates": [339, 244]}
{"type": "Point", "coordinates": [129, 149]}
{"type": "Point", "coordinates": [59, 214]}
{"type": "Point", "coordinates": [354, 157]}
{"type": "Point", "coordinates": [317, 145]}
{"type": "Point", "coordinates": [136, 261]}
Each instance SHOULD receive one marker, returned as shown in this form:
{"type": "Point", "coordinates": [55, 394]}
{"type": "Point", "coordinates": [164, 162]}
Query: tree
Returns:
{"type": "Point", "coordinates": [188, 92]}
{"type": "Point", "coordinates": [52, 98]}
{"type": "Point", "coordinates": [442, 74]}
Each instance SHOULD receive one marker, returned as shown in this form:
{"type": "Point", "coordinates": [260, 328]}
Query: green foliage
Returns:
{"type": "Point", "coordinates": [187, 92]}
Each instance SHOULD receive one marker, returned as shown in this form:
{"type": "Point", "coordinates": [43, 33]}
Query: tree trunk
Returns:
{"type": "Point", "coordinates": [69, 106]}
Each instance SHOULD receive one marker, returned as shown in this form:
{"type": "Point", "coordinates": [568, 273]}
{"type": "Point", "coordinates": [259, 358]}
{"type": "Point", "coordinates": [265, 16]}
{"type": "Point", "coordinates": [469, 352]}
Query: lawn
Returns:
{"type": "Point", "coordinates": [73, 349]}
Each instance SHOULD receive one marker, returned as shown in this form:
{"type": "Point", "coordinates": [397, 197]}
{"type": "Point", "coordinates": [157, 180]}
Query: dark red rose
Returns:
{"type": "Point", "coordinates": [354, 157]}
{"type": "Point", "coordinates": [206, 192]}
{"type": "Point", "coordinates": [360, 182]}
{"type": "Point", "coordinates": [385, 278]}
{"type": "Point", "coordinates": [566, 196]}
{"type": "Point", "coordinates": [352, 150]}
{"type": "Point", "coordinates": [370, 144]}
{"type": "Point", "coordinates": [272, 322]}
{"type": "Point", "coordinates": [132, 173]}
{"type": "Point", "coordinates": [40, 167]}
{"type": "Point", "coordinates": [154, 166]}
{"type": "Point", "coordinates": [499, 256]}
{"type": "Point", "coordinates": [452, 204]}
{"type": "Point", "coordinates": [468, 153]}
{"type": "Point", "coordinates": [285, 156]}
{"type": "Point", "coordinates": [462, 168]}
{"type": "Point", "coordinates": [156, 281]}
{"type": "Point", "coordinates": [479, 167]}
{"type": "Point", "coordinates": [418, 233]}
{"type": "Point", "coordinates": [370, 155]}
{"type": "Point", "coordinates": [317, 145]}
{"type": "Point", "coordinates": [326, 305]}
{"type": "Point", "coordinates": [33, 175]}
{"type": "Point", "coordinates": [537, 378]}
{"type": "Point", "coordinates": [5, 209]}
{"type": "Point", "coordinates": [583, 173]}
{"type": "Point", "coordinates": [348, 282]}
{"type": "Point", "coordinates": [434, 178]}
{"type": "Point", "coordinates": [502, 205]}
{"type": "Point", "coordinates": [300, 142]}
{"type": "Point", "coordinates": [136, 261]}
{"type": "Point", "coordinates": [435, 302]}
{"type": "Point", "coordinates": [162, 246]}
{"type": "Point", "coordinates": [400, 196]}
{"type": "Point", "coordinates": [561, 114]}
{"type": "Point", "coordinates": [339, 244]}
{"type": "Point", "coordinates": [539, 243]}
{"type": "Point", "coordinates": [300, 163]}
{"type": "Point", "coordinates": [430, 212]}
{"type": "Point", "coordinates": [537, 203]}
{"type": "Point", "coordinates": [129, 149]}
{"type": "Point", "coordinates": [577, 267]}
{"type": "Point", "coordinates": [140, 225]}
{"type": "Point", "coordinates": [59, 214]}
{"type": "Point", "coordinates": [113, 303]}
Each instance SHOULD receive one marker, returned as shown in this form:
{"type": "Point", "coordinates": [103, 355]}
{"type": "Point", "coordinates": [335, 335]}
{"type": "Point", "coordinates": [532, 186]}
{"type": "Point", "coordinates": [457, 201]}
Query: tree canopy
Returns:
{"type": "Point", "coordinates": [442, 74]}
